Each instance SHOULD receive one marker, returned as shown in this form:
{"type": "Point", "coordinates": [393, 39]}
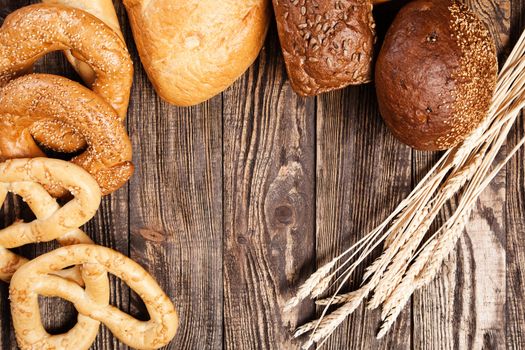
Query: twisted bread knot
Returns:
{"type": "Point", "coordinates": [36, 278]}
{"type": "Point", "coordinates": [33, 31]}
{"type": "Point", "coordinates": [57, 113]}
{"type": "Point", "coordinates": [26, 178]}
{"type": "Point", "coordinates": [29, 100]}
{"type": "Point", "coordinates": [66, 117]}
{"type": "Point", "coordinates": [48, 274]}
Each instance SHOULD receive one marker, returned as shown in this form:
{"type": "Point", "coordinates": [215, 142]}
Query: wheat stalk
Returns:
{"type": "Point", "coordinates": [407, 263]}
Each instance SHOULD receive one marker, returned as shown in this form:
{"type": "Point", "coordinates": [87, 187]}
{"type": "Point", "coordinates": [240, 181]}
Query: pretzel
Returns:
{"type": "Point", "coordinates": [25, 177]}
{"type": "Point", "coordinates": [35, 278]}
{"type": "Point", "coordinates": [34, 98]}
{"type": "Point", "coordinates": [103, 10]}
{"type": "Point", "coordinates": [33, 31]}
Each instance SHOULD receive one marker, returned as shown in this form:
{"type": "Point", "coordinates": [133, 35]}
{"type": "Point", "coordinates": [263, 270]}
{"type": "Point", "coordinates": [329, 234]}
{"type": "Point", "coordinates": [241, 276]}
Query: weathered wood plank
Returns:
{"type": "Point", "coordinates": [362, 173]}
{"type": "Point", "coordinates": [176, 208]}
{"type": "Point", "coordinates": [515, 217]}
{"type": "Point", "coordinates": [268, 204]}
{"type": "Point", "coordinates": [464, 308]}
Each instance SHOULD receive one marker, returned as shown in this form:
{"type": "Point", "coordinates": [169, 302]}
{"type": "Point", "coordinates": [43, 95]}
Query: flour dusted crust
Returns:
{"type": "Point", "coordinates": [194, 49]}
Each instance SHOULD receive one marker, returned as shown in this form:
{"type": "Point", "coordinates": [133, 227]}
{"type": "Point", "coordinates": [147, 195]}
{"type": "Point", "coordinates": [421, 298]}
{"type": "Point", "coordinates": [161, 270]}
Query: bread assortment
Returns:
{"type": "Point", "coordinates": [42, 112]}
{"type": "Point", "coordinates": [326, 44]}
{"type": "Point", "coordinates": [194, 49]}
{"type": "Point", "coordinates": [436, 74]}
{"type": "Point", "coordinates": [435, 77]}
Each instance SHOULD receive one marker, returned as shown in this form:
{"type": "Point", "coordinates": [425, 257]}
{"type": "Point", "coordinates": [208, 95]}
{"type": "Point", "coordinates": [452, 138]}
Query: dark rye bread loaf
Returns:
{"type": "Point", "coordinates": [327, 44]}
{"type": "Point", "coordinates": [435, 74]}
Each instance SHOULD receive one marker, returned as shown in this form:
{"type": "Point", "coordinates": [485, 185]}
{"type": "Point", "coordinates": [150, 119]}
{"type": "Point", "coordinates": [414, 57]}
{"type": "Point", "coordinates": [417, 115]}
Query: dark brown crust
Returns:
{"type": "Point", "coordinates": [327, 44]}
{"type": "Point", "coordinates": [435, 74]}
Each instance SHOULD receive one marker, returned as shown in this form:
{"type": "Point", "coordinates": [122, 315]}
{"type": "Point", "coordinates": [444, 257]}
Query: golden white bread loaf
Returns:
{"type": "Point", "coordinates": [102, 9]}
{"type": "Point", "coordinates": [194, 49]}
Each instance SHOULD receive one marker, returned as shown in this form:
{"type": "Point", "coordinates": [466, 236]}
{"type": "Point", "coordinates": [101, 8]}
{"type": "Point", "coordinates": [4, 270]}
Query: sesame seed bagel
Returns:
{"type": "Point", "coordinates": [33, 31]}
{"type": "Point", "coordinates": [435, 74]}
{"type": "Point", "coordinates": [327, 44]}
{"type": "Point", "coordinates": [103, 10]}
{"type": "Point", "coordinates": [35, 98]}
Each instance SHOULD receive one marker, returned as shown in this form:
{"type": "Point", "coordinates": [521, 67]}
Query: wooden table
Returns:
{"type": "Point", "coordinates": [234, 202]}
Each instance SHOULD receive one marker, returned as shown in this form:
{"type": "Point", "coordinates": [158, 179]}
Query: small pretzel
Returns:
{"type": "Point", "coordinates": [33, 31]}
{"type": "Point", "coordinates": [25, 177]}
{"type": "Point", "coordinates": [35, 278]}
{"type": "Point", "coordinates": [34, 98]}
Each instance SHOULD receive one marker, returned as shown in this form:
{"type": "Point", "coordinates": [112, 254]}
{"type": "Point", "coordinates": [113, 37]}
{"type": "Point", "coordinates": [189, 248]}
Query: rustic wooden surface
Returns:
{"type": "Point", "coordinates": [236, 201]}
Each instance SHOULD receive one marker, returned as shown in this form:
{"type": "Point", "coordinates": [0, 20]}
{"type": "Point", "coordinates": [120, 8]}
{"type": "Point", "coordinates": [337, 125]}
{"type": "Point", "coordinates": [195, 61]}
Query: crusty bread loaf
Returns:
{"type": "Point", "coordinates": [194, 49]}
{"type": "Point", "coordinates": [435, 74]}
{"type": "Point", "coordinates": [327, 44]}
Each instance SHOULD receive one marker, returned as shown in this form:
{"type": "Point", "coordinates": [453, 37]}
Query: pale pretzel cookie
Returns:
{"type": "Point", "coordinates": [26, 178]}
{"type": "Point", "coordinates": [33, 31]}
{"type": "Point", "coordinates": [35, 278]}
{"type": "Point", "coordinates": [35, 98]}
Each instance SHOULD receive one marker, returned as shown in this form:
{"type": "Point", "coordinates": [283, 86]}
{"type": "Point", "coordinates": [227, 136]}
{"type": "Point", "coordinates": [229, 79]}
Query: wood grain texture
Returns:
{"type": "Point", "coordinates": [176, 208]}
{"type": "Point", "coordinates": [362, 173]}
{"type": "Point", "coordinates": [515, 218]}
{"type": "Point", "coordinates": [268, 204]}
{"type": "Point", "coordinates": [464, 308]}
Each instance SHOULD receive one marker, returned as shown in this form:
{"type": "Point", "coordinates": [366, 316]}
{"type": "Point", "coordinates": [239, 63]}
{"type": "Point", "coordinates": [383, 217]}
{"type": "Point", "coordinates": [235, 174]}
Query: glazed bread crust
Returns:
{"type": "Point", "coordinates": [436, 74]}
{"type": "Point", "coordinates": [194, 49]}
{"type": "Point", "coordinates": [103, 10]}
{"type": "Point", "coordinates": [327, 44]}
{"type": "Point", "coordinates": [33, 31]}
{"type": "Point", "coordinates": [34, 98]}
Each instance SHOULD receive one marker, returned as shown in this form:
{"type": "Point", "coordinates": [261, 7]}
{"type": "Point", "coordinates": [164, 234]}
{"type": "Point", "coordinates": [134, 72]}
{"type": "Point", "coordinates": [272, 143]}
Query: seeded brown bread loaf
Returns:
{"type": "Point", "coordinates": [194, 49]}
{"type": "Point", "coordinates": [327, 44]}
{"type": "Point", "coordinates": [435, 74]}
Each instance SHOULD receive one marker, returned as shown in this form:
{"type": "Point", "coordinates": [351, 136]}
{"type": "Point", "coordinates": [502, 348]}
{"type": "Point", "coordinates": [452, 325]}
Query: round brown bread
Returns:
{"type": "Point", "coordinates": [435, 74]}
{"type": "Point", "coordinates": [327, 44]}
{"type": "Point", "coordinates": [194, 49]}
